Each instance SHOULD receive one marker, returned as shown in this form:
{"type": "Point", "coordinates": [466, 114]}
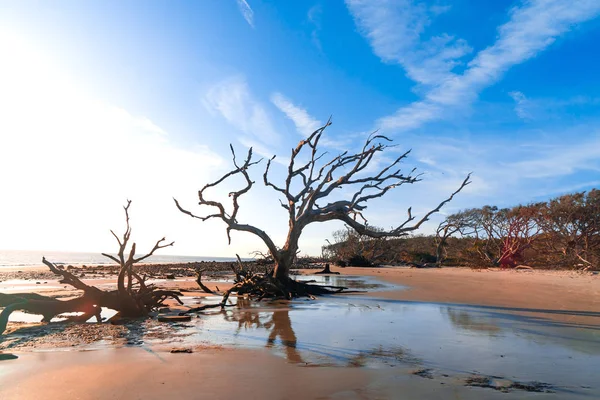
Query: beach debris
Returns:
{"type": "Point", "coordinates": [259, 286]}
{"type": "Point", "coordinates": [133, 297]}
{"type": "Point", "coordinates": [524, 267]}
{"type": "Point", "coordinates": [170, 276]}
{"type": "Point", "coordinates": [199, 282]}
{"type": "Point", "coordinates": [182, 350]}
{"type": "Point", "coordinates": [174, 318]}
{"type": "Point", "coordinates": [326, 270]}
{"type": "Point", "coordinates": [424, 373]}
{"type": "Point", "coordinates": [506, 385]}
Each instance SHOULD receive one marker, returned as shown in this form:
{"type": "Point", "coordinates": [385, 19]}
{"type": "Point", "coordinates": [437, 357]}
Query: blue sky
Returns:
{"type": "Point", "coordinates": [101, 101]}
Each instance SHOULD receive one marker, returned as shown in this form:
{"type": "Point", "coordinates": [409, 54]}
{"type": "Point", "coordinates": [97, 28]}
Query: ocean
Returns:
{"type": "Point", "coordinates": [27, 258]}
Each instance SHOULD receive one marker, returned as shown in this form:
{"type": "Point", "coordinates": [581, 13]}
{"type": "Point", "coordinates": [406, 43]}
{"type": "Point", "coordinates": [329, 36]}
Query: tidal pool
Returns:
{"type": "Point", "coordinates": [520, 346]}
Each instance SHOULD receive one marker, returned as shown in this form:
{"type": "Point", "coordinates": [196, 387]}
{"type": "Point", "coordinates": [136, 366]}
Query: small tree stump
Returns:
{"type": "Point", "coordinates": [326, 270]}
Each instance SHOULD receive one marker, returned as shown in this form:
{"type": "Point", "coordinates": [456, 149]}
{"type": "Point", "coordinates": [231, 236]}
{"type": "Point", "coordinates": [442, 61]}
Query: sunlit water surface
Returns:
{"type": "Point", "coordinates": [521, 345]}
{"type": "Point", "coordinates": [516, 344]}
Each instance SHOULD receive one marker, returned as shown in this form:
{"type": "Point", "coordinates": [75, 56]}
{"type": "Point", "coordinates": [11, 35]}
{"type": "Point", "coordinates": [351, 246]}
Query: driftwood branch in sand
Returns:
{"type": "Point", "coordinates": [133, 297]}
{"type": "Point", "coordinates": [199, 282]}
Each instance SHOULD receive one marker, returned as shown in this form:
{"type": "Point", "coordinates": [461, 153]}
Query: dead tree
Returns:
{"type": "Point", "coordinates": [133, 297]}
{"type": "Point", "coordinates": [307, 192]}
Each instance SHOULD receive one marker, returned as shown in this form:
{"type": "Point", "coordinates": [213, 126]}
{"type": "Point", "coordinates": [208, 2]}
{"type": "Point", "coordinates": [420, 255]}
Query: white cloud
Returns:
{"type": "Point", "coordinates": [246, 11]}
{"type": "Point", "coordinates": [521, 105]}
{"type": "Point", "coordinates": [412, 116]}
{"type": "Point", "coordinates": [396, 32]}
{"type": "Point", "coordinates": [305, 124]}
{"type": "Point", "coordinates": [532, 27]}
{"type": "Point", "coordinates": [438, 9]}
{"type": "Point", "coordinates": [509, 171]}
{"type": "Point", "coordinates": [233, 100]}
{"type": "Point", "coordinates": [314, 17]}
{"type": "Point", "coordinates": [561, 159]}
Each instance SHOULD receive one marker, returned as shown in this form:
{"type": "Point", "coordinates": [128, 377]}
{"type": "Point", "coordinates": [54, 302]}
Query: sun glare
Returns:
{"type": "Point", "coordinates": [65, 153]}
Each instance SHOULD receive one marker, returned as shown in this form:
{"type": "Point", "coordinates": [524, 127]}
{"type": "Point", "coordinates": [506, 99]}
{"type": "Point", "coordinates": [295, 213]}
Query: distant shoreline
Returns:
{"type": "Point", "coordinates": [27, 259]}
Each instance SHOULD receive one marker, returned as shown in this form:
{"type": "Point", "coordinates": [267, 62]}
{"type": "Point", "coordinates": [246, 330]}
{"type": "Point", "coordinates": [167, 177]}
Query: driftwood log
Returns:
{"type": "Point", "coordinates": [132, 298]}
{"type": "Point", "coordinates": [137, 302]}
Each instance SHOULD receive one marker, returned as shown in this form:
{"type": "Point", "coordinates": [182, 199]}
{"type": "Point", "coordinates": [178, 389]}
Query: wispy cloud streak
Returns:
{"type": "Point", "coordinates": [304, 122]}
{"type": "Point", "coordinates": [246, 11]}
{"type": "Point", "coordinates": [233, 100]}
{"type": "Point", "coordinates": [396, 31]}
{"type": "Point", "coordinates": [393, 30]}
{"type": "Point", "coordinates": [521, 105]}
{"type": "Point", "coordinates": [314, 17]}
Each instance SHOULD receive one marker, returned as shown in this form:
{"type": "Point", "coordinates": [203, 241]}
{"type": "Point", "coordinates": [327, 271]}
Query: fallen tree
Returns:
{"type": "Point", "coordinates": [307, 194]}
{"type": "Point", "coordinates": [132, 298]}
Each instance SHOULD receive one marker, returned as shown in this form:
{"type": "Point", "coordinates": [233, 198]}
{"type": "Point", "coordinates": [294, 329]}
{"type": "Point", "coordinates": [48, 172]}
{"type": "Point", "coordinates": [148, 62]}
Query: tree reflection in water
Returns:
{"type": "Point", "coordinates": [470, 321]}
{"type": "Point", "coordinates": [276, 322]}
{"type": "Point", "coordinates": [274, 318]}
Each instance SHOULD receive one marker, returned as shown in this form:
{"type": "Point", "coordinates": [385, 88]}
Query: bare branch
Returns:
{"type": "Point", "coordinates": [111, 257]}
{"type": "Point", "coordinates": [231, 220]}
{"type": "Point", "coordinates": [157, 246]}
{"type": "Point", "coordinates": [311, 181]}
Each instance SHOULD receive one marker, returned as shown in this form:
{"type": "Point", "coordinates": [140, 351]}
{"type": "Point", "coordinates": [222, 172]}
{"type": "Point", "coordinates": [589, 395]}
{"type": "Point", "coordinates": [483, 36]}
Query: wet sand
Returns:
{"type": "Point", "coordinates": [526, 290]}
{"type": "Point", "coordinates": [150, 371]}
{"type": "Point", "coordinates": [141, 373]}
{"type": "Point", "coordinates": [136, 373]}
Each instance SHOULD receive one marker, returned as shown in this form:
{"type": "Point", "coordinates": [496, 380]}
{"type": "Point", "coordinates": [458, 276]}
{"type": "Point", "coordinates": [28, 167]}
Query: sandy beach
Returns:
{"type": "Point", "coordinates": [234, 370]}
{"type": "Point", "coordinates": [538, 289]}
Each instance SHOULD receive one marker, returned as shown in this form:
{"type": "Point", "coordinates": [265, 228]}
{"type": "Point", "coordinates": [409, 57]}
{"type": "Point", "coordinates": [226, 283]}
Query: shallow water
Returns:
{"type": "Point", "coordinates": [440, 340]}
{"type": "Point", "coordinates": [505, 343]}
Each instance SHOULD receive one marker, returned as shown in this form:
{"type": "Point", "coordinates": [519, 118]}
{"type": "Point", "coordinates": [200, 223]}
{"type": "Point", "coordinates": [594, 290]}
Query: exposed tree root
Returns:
{"type": "Point", "coordinates": [261, 286]}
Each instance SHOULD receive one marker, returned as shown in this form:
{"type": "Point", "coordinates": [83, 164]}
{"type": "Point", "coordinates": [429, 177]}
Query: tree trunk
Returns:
{"type": "Point", "coordinates": [284, 259]}
{"type": "Point", "coordinates": [439, 253]}
{"type": "Point", "coordinates": [283, 264]}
